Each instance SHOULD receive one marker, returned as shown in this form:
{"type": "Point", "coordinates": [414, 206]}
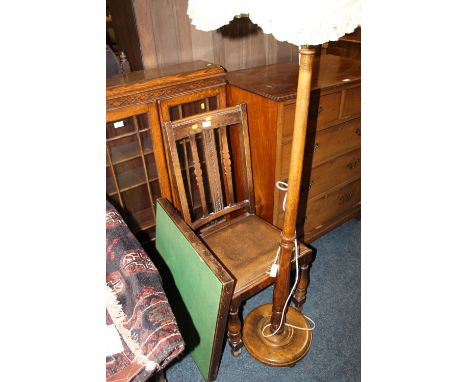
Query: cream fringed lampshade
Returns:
{"type": "Point", "coordinates": [300, 22]}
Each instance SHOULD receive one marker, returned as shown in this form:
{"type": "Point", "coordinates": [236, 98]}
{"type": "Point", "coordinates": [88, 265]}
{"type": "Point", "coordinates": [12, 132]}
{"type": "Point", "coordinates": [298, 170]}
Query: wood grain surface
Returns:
{"type": "Point", "coordinates": [168, 37]}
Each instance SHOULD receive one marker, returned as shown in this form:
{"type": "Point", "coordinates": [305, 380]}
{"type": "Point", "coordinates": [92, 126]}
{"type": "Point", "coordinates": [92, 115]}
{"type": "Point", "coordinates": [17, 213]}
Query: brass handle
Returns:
{"type": "Point", "coordinates": [351, 165]}
{"type": "Point", "coordinates": [308, 187]}
{"type": "Point", "coordinates": [309, 153]}
{"type": "Point", "coordinates": [346, 197]}
{"type": "Point", "coordinates": [358, 131]}
{"type": "Point", "coordinates": [304, 188]}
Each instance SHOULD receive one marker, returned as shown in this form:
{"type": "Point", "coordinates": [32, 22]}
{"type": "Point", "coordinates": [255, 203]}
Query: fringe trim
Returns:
{"type": "Point", "coordinates": [114, 308]}
{"type": "Point", "coordinates": [304, 23]}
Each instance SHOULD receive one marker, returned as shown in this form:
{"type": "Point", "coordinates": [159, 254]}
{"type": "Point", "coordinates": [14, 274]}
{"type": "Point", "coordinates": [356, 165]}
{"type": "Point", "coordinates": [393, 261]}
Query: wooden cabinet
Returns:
{"type": "Point", "coordinates": [347, 46]}
{"type": "Point", "coordinates": [330, 189]}
{"type": "Point", "coordinates": [136, 105]}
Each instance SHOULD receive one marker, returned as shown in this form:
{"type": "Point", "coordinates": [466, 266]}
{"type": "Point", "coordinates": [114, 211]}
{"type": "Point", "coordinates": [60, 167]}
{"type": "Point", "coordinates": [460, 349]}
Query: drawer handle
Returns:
{"type": "Point", "coordinates": [316, 146]}
{"type": "Point", "coordinates": [320, 109]}
{"type": "Point", "coordinates": [358, 131]}
{"type": "Point", "coordinates": [351, 165]}
{"type": "Point", "coordinates": [308, 187]}
{"type": "Point", "coordinates": [346, 197]}
{"type": "Point", "coordinates": [304, 188]}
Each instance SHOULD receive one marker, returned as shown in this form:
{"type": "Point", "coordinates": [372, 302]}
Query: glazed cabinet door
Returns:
{"type": "Point", "coordinates": [185, 106]}
{"type": "Point", "coordinates": [135, 177]}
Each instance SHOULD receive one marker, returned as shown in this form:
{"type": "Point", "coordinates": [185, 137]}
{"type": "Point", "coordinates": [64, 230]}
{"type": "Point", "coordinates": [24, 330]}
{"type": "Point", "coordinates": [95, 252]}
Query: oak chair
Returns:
{"type": "Point", "coordinates": [209, 157]}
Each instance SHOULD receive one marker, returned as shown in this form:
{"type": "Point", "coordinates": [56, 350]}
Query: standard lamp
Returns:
{"type": "Point", "coordinates": [273, 334]}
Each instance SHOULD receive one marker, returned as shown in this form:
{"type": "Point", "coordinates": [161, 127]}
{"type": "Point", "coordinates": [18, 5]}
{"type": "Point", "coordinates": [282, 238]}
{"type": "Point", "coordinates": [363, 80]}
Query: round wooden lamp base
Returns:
{"type": "Point", "coordinates": [283, 349]}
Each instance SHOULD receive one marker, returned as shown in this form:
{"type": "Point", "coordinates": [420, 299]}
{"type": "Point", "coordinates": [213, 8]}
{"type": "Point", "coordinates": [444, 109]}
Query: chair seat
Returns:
{"type": "Point", "coordinates": [247, 248]}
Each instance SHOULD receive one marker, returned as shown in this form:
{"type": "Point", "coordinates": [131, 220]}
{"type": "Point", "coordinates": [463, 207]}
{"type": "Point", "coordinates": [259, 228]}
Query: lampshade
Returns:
{"type": "Point", "coordinates": [300, 22]}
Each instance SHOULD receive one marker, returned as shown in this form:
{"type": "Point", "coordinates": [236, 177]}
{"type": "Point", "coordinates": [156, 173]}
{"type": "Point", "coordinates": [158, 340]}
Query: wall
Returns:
{"type": "Point", "coordinates": [123, 24]}
{"type": "Point", "coordinates": [167, 37]}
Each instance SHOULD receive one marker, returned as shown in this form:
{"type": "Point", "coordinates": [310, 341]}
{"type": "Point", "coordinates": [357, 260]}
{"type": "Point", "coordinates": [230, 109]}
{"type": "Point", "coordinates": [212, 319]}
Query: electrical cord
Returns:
{"type": "Point", "coordinates": [283, 186]}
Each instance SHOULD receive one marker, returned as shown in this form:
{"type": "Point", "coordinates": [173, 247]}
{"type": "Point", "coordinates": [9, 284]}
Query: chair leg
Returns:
{"type": "Point", "coordinates": [299, 297]}
{"type": "Point", "coordinates": [235, 330]}
{"type": "Point", "coordinates": [158, 377]}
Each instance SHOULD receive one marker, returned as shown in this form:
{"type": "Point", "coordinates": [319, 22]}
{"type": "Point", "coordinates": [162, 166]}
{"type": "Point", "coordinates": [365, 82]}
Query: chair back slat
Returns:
{"type": "Point", "coordinates": [187, 170]}
{"type": "Point", "coordinates": [214, 180]}
{"type": "Point", "coordinates": [246, 159]}
{"type": "Point", "coordinates": [206, 188]}
{"type": "Point", "coordinates": [226, 160]}
{"type": "Point", "coordinates": [197, 123]}
{"type": "Point", "coordinates": [175, 164]}
{"type": "Point", "coordinates": [198, 173]}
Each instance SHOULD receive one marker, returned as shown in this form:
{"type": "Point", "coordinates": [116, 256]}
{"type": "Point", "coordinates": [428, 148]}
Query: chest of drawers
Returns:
{"type": "Point", "coordinates": [330, 190]}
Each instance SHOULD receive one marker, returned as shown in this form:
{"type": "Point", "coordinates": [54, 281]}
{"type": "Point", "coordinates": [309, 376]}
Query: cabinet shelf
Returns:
{"type": "Point", "coordinates": [116, 138]}
{"type": "Point", "coordinates": [146, 227]}
{"type": "Point", "coordinates": [146, 236]}
{"type": "Point", "coordinates": [134, 185]}
{"type": "Point", "coordinates": [142, 220]}
{"type": "Point", "coordinates": [130, 157]}
{"type": "Point", "coordinates": [127, 147]}
{"type": "Point", "coordinates": [131, 173]}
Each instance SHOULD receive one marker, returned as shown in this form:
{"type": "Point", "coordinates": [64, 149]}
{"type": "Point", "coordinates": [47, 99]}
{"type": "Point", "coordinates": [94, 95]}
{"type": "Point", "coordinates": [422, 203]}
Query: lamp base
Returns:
{"type": "Point", "coordinates": [283, 349]}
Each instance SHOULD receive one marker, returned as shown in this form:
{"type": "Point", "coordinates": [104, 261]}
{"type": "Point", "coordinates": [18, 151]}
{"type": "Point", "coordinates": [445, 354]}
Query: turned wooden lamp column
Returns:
{"type": "Point", "coordinates": [288, 345]}
{"type": "Point", "coordinates": [288, 235]}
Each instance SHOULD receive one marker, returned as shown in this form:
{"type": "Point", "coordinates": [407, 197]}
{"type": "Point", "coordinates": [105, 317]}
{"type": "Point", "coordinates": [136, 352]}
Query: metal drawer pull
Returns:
{"type": "Point", "coordinates": [320, 109]}
{"type": "Point", "coordinates": [346, 197]}
{"type": "Point", "coordinates": [305, 188]}
{"type": "Point", "coordinates": [358, 131]}
{"type": "Point", "coordinates": [351, 165]}
{"type": "Point", "coordinates": [316, 146]}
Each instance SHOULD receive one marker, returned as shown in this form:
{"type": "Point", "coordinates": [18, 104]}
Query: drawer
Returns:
{"type": "Point", "coordinates": [326, 112]}
{"type": "Point", "coordinates": [334, 172]}
{"type": "Point", "coordinates": [331, 205]}
{"type": "Point", "coordinates": [352, 102]}
{"type": "Point", "coordinates": [327, 207]}
{"type": "Point", "coordinates": [329, 143]}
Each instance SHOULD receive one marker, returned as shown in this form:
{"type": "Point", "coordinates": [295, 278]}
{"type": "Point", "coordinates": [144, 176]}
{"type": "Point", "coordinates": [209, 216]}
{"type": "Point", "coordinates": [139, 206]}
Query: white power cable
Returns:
{"type": "Point", "coordinates": [283, 186]}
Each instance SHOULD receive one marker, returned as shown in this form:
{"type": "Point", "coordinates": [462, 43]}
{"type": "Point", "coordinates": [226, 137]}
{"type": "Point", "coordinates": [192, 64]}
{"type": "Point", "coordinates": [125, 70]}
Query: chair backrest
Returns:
{"type": "Point", "coordinates": [202, 166]}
